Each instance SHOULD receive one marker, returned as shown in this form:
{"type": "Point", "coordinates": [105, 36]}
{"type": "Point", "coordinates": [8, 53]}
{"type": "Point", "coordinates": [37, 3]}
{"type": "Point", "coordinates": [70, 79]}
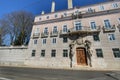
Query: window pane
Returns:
{"type": "Point", "coordinates": [111, 37]}
{"type": "Point", "coordinates": [33, 53]}
{"type": "Point", "coordinates": [43, 53]}
{"type": "Point", "coordinates": [96, 37]}
{"type": "Point", "coordinates": [65, 39]}
{"type": "Point", "coordinates": [93, 25]}
{"type": "Point", "coordinates": [116, 52]}
{"type": "Point", "coordinates": [53, 54]}
{"type": "Point", "coordinates": [99, 53]}
{"type": "Point", "coordinates": [107, 24]}
{"type": "Point", "coordinates": [65, 53]}
{"type": "Point", "coordinates": [35, 41]}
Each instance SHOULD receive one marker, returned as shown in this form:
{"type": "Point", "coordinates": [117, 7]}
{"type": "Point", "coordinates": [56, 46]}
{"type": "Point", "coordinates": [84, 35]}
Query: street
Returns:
{"type": "Point", "coordinates": [13, 73]}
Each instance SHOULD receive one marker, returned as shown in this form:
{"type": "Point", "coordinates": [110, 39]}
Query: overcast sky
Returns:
{"type": "Point", "coordinates": [36, 6]}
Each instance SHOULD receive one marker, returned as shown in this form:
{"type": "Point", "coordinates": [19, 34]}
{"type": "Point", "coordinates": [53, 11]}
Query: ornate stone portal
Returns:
{"type": "Point", "coordinates": [81, 43]}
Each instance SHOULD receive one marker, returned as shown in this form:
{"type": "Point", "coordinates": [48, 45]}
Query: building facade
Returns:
{"type": "Point", "coordinates": [79, 37]}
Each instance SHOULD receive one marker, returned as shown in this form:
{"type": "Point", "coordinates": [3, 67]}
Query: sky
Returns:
{"type": "Point", "coordinates": [36, 6]}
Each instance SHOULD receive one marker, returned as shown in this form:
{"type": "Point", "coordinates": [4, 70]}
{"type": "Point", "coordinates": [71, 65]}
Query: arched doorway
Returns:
{"type": "Point", "coordinates": [81, 56]}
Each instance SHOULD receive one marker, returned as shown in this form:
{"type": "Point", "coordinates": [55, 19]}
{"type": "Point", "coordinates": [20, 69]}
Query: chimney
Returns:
{"type": "Point", "coordinates": [70, 4]}
{"type": "Point", "coordinates": [53, 7]}
{"type": "Point", "coordinates": [42, 12]}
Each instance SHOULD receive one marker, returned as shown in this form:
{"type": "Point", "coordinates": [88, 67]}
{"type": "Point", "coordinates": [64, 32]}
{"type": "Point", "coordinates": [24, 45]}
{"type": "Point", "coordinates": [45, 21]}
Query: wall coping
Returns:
{"type": "Point", "coordinates": [14, 47]}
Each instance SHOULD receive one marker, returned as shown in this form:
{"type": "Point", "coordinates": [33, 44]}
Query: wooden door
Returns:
{"type": "Point", "coordinates": [81, 57]}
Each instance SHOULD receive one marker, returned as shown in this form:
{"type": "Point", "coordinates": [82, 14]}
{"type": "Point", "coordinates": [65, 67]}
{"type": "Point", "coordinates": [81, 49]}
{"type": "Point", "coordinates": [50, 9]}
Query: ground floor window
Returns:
{"type": "Point", "coordinates": [53, 53]}
{"type": "Point", "coordinates": [65, 53]}
{"type": "Point", "coordinates": [33, 53]}
{"type": "Point", "coordinates": [99, 53]}
{"type": "Point", "coordinates": [116, 52]}
{"type": "Point", "coordinates": [42, 53]}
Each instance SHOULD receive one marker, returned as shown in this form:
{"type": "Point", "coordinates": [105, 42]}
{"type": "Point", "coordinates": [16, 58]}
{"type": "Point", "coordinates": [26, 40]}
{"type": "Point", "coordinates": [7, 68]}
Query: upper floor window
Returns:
{"type": "Point", "coordinates": [35, 41]}
{"type": "Point", "coordinates": [54, 29]}
{"type": "Point", "coordinates": [65, 53]}
{"type": "Point", "coordinates": [116, 52]}
{"type": "Point", "coordinates": [111, 37]}
{"type": "Point", "coordinates": [65, 28]}
{"type": "Point", "coordinates": [37, 30]}
{"type": "Point", "coordinates": [65, 14]}
{"type": "Point", "coordinates": [115, 5]}
{"type": "Point", "coordinates": [78, 26]}
{"type": "Point", "coordinates": [33, 53]}
{"type": "Point", "coordinates": [42, 53]}
{"type": "Point", "coordinates": [65, 39]}
{"type": "Point", "coordinates": [93, 25]}
{"type": "Point", "coordinates": [56, 15]}
{"type": "Point", "coordinates": [54, 40]}
{"type": "Point", "coordinates": [119, 20]}
{"type": "Point", "coordinates": [107, 23]}
{"type": "Point", "coordinates": [99, 53]}
{"type": "Point", "coordinates": [44, 41]}
{"type": "Point", "coordinates": [101, 7]}
{"type": "Point", "coordinates": [53, 53]}
{"type": "Point", "coordinates": [40, 18]}
{"type": "Point", "coordinates": [96, 37]}
{"type": "Point", "coordinates": [90, 10]}
{"type": "Point", "coordinates": [47, 17]}
{"type": "Point", "coordinates": [46, 30]}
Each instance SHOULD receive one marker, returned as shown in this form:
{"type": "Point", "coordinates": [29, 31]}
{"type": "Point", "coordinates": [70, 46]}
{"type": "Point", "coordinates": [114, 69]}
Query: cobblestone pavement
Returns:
{"type": "Point", "coordinates": [12, 73]}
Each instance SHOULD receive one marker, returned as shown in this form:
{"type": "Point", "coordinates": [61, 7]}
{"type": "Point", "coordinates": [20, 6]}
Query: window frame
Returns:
{"type": "Point", "coordinates": [44, 41]}
{"type": "Point", "coordinates": [65, 39]}
{"type": "Point", "coordinates": [111, 37]}
{"type": "Point", "coordinates": [98, 54]}
{"type": "Point", "coordinates": [42, 53]}
{"type": "Point", "coordinates": [35, 41]}
{"type": "Point", "coordinates": [65, 53]}
{"type": "Point", "coordinates": [33, 53]}
{"type": "Point", "coordinates": [96, 36]}
{"type": "Point", "coordinates": [116, 55]}
{"type": "Point", "coordinates": [54, 40]}
{"type": "Point", "coordinates": [53, 53]}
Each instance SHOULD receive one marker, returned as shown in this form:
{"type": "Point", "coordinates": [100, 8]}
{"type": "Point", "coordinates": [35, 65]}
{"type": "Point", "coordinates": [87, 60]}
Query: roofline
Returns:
{"type": "Point", "coordinates": [76, 8]}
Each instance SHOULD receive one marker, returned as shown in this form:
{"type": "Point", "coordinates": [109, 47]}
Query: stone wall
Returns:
{"type": "Point", "coordinates": [12, 55]}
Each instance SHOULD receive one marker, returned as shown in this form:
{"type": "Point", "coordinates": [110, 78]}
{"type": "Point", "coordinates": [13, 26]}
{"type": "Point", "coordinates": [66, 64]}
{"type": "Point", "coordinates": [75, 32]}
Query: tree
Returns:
{"type": "Point", "coordinates": [19, 26]}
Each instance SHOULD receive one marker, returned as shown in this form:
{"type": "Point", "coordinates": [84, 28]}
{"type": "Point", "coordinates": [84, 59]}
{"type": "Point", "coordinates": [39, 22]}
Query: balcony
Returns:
{"type": "Point", "coordinates": [84, 29]}
{"type": "Point", "coordinates": [36, 35]}
{"type": "Point", "coordinates": [54, 34]}
{"type": "Point", "coordinates": [63, 33]}
{"type": "Point", "coordinates": [109, 29]}
{"type": "Point", "coordinates": [44, 35]}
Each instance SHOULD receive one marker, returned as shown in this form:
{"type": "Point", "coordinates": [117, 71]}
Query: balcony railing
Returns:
{"type": "Point", "coordinates": [44, 35]}
{"type": "Point", "coordinates": [84, 30]}
{"type": "Point", "coordinates": [109, 29]}
{"type": "Point", "coordinates": [36, 35]}
{"type": "Point", "coordinates": [63, 33]}
{"type": "Point", "coordinates": [54, 34]}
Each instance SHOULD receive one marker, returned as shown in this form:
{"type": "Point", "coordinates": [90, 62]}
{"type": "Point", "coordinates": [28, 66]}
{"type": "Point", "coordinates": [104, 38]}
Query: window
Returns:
{"type": "Point", "coordinates": [96, 37]}
{"type": "Point", "coordinates": [47, 17]}
{"type": "Point", "coordinates": [33, 53]}
{"type": "Point", "coordinates": [53, 54]}
{"type": "Point", "coordinates": [65, 28]}
{"type": "Point", "coordinates": [90, 10]}
{"type": "Point", "coordinates": [101, 7]}
{"type": "Point", "coordinates": [115, 5]}
{"type": "Point", "coordinates": [44, 41]}
{"type": "Point", "coordinates": [116, 52]}
{"type": "Point", "coordinates": [78, 26]}
{"type": "Point", "coordinates": [65, 14]}
{"type": "Point", "coordinates": [65, 53]}
{"type": "Point", "coordinates": [54, 40]}
{"type": "Point", "coordinates": [55, 29]}
{"type": "Point", "coordinates": [65, 39]}
{"type": "Point", "coordinates": [119, 20]}
{"type": "Point", "coordinates": [111, 37]}
{"type": "Point", "coordinates": [40, 18]}
{"type": "Point", "coordinates": [42, 53]}
{"type": "Point", "coordinates": [46, 30]}
{"type": "Point", "coordinates": [107, 24]}
{"type": "Point", "coordinates": [56, 15]}
{"type": "Point", "coordinates": [35, 41]}
{"type": "Point", "coordinates": [93, 25]}
{"type": "Point", "coordinates": [99, 53]}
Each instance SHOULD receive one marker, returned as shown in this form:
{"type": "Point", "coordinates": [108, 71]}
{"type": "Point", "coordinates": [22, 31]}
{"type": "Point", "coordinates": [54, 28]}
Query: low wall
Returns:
{"type": "Point", "coordinates": [12, 55]}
